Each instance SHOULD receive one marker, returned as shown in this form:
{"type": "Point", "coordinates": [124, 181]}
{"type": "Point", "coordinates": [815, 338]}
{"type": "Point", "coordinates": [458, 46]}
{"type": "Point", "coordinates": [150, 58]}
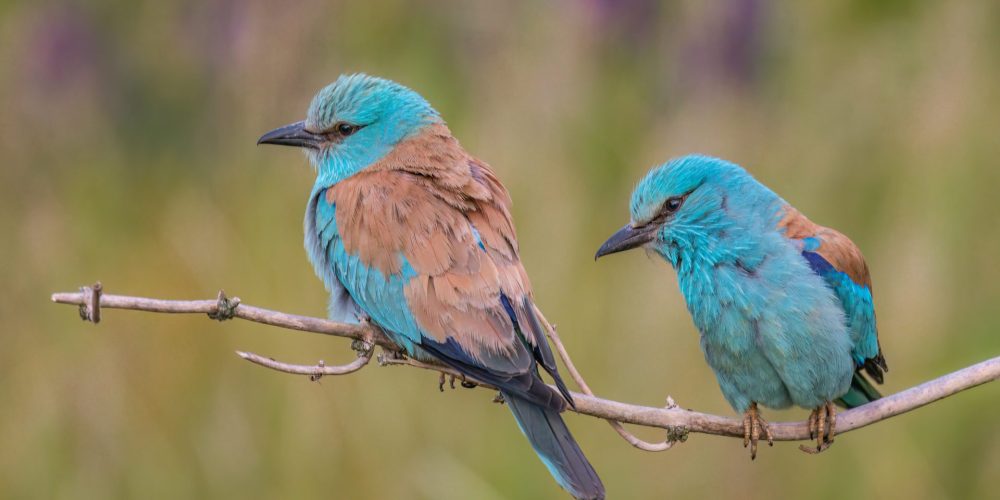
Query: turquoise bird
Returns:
{"type": "Point", "coordinates": [407, 229]}
{"type": "Point", "coordinates": [783, 305]}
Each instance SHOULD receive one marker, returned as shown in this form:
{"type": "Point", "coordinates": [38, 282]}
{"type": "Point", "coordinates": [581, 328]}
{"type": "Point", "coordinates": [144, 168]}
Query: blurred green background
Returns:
{"type": "Point", "coordinates": [127, 142]}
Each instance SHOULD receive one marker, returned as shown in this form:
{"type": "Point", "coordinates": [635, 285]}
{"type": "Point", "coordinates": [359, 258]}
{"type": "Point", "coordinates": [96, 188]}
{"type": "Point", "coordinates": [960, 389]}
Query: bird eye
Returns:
{"type": "Point", "coordinates": [346, 129]}
{"type": "Point", "coordinates": [672, 204]}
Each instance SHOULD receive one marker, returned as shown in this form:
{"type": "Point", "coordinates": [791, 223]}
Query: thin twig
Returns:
{"type": "Point", "coordinates": [674, 419]}
{"type": "Point", "coordinates": [244, 311]}
{"type": "Point", "coordinates": [632, 439]}
{"type": "Point", "coordinates": [314, 371]}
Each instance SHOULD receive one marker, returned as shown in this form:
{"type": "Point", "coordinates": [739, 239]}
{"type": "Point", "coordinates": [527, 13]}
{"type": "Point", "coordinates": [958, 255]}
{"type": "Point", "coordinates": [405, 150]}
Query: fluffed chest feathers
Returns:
{"type": "Point", "coordinates": [733, 295]}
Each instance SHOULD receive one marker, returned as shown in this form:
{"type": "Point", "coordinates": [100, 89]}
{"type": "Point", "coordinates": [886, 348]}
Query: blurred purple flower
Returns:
{"type": "Point", "coordinates": [62, 48]}
{"type": "Point", "coordinates": [729, 48]}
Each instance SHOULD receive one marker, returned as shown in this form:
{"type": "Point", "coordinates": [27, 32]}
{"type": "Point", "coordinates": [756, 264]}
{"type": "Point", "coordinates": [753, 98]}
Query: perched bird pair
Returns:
{"type": "Point", "coordinates": [409, 230]}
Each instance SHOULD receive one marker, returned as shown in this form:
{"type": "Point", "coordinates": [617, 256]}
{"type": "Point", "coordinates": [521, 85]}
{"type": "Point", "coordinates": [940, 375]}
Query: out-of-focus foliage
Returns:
{"type": "Point", "coordinates": [127, 146]}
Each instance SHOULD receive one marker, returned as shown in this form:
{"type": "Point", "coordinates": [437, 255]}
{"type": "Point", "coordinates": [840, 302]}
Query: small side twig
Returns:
{"type": "Point", "coordinates": [363, 347]}
{"type": "Point", "coordinates": [632, 439]}
{"type": "Point", "coordinates": [315, 372]}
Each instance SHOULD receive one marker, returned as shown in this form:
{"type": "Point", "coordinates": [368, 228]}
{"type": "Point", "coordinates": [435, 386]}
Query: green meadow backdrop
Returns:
{"type": "Point", "coordinates": [127, 155]}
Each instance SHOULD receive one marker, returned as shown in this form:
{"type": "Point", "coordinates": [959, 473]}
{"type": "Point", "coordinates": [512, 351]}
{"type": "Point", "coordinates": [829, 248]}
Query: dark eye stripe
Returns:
{"type": "Point", "coordinates": [670, 207]}
{"type": "Point", "coordinates": [338, 131]}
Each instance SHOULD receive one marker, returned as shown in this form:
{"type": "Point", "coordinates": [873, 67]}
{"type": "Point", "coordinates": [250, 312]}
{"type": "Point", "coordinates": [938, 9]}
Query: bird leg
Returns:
{"type": "Point", "coordinates": [822, 425]}
{"type": "Point", "coordinates": [753, 425]}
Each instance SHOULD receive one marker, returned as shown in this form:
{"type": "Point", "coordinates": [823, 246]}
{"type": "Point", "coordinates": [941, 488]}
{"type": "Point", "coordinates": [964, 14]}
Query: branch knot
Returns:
{"type": "Point", "coordinates": [90, 308]}
{"type": "Point", "coordinates": [226, 308]}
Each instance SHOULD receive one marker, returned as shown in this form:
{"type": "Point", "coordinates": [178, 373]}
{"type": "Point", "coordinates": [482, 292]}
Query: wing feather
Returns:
{"type": "Point", "coordinates": [835, 258]}
{"type": "Point", "coordinates": [431, 254]}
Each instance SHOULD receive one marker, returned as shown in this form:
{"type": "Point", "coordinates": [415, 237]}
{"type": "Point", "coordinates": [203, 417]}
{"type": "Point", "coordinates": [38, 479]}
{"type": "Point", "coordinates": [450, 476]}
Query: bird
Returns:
{"type": "Point", "coordinates": [783, 305]}
{"type": "Point", "coordinates": [409, 231]}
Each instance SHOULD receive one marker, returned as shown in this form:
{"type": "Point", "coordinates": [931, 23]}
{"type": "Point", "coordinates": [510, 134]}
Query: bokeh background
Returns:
{"type": "Point", "coordinates": [127, 149]}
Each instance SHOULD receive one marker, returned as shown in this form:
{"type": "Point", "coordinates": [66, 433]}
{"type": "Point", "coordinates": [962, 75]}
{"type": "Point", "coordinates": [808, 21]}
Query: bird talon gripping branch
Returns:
{"type": "Point", "coordinates": [753, 426]}
{"type": "Point", "coordinates": [445, 377]}
{"type": "Point", "coordinates": [822, 426]}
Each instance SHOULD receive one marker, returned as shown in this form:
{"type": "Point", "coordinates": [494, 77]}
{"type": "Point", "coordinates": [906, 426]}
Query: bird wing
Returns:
{"type": "Point", "coordinates": [836, 259]}
{"type": "Point", "coordinates": [430, 254]}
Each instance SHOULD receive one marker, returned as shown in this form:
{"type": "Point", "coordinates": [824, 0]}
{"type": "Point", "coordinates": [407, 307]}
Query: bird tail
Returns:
{"type": "Point", "coordinates": [550, 438]}
{"type": "Point", "coordinates": [861, 392]}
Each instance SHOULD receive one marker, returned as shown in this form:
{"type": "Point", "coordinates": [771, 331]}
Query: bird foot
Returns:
{"type": "Point", "coordinates": [822, 426]}
{"type": "Point", "coordinates": [753, 425]}
{"type": "Point", "coordinates": [468, 384]}
{"type": "Point", "coordinates": [441, 379]}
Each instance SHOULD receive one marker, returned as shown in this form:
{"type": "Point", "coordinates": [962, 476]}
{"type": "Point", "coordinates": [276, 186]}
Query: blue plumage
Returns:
{"type": "Point", "coordinates": [856, 299]}
{"type": "Point", "coordinates": [783, 305]}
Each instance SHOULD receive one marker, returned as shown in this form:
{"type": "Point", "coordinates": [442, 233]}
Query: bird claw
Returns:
{"type": "Point", "coordinates": [814, 450]}
{"type": "Point", "coordinates": [441, 380]}
{"type": "Point", "coordinates": [753, 426]}
{"type": "Point", "coordinates": [499, 399]}
{"type": "Point", "coordinates": [451, 381]}
{"type": "Point", "coordinates": [822, 426]}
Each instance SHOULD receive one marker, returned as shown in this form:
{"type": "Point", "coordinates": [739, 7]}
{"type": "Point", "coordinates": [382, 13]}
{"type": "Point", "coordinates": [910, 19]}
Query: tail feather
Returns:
{"type": "Point", "coordinates": [554, 444]}
{"type": "Point", "coordinates": [861, 392]}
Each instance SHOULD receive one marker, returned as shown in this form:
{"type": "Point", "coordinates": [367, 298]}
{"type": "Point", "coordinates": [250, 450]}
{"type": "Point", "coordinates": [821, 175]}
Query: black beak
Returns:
{"type": "Point", "coordinates": [627, 238]}
{"type": "Point", "coordinates": [293, 135]}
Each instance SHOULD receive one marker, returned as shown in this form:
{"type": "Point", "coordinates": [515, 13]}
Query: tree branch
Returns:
{"type": "Point", "coordinates": [677, 421]}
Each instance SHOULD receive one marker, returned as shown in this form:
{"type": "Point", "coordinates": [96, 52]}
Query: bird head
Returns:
{"type": "Point", "coordinates": [687, 204]}
{"type": "Point", "coordinates": [353, 122]}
